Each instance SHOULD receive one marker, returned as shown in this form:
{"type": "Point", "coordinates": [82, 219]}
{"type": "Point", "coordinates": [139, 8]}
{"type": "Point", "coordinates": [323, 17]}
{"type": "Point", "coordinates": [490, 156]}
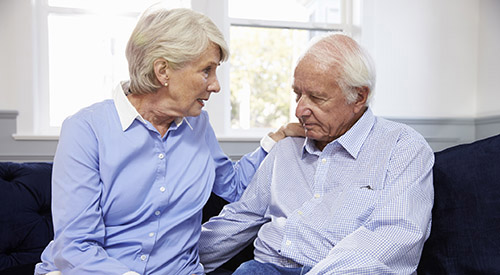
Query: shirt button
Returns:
{"type": "Point", "coordinates": [162, 189]}
{"type": "Point", "coordinates": [143, 257]}
{"type": "Point", "coordinates": [300, 212]}
{"type": "Point", "coordinates": [288, 242]}
{"type": "Point", "coordinates": [323, 160]}
{"type": "Point", "coordinates": [157, 212]}
{"type": "Point", "coordinates": [317, 196]}
{"type": "Point", "coordinates": [161, 156]}
{"type": "Point", "coordinates": [151, 234]}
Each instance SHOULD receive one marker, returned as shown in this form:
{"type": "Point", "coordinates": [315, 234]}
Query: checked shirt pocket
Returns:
{"type": "Point", "coordinates": [349, 210]}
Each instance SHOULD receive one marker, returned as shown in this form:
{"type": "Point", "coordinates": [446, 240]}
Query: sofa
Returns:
{"type": "Point", "coordinates": [464, 237]}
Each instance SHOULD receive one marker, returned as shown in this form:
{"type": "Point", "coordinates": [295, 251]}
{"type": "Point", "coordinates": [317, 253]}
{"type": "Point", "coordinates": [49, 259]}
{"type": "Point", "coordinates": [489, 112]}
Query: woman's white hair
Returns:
{"type": "Point", "coordinates": [178, 36]}
{"type": "Point", "coordinates": [350, 65]}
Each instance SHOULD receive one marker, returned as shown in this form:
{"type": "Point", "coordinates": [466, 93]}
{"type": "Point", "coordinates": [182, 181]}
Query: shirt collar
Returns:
{"type": "Point", "coordinates": [352, 140]}
{"type": "Point", "coordinates": [127, 112]}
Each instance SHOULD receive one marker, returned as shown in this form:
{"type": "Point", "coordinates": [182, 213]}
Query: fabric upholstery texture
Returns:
{"type": "Point", "coordinates": [466, 214]}
{"type": "Point", "coordinates": [25, 215]}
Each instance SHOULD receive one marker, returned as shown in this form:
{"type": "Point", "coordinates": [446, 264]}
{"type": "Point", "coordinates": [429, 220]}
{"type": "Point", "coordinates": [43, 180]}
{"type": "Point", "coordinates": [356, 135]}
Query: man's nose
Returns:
{"type": "Point", "coordinates": [303, 109]}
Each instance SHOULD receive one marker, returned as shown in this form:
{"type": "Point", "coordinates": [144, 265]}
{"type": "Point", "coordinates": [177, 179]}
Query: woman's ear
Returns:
{"type": "Point", "coordinates": [161, 67]}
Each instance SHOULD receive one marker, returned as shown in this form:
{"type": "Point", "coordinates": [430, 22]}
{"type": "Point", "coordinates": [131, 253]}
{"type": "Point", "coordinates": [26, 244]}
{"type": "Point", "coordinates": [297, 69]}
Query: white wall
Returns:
{"type": "Point", "coordinates": [435, 58]}
{"type": "Point", "coordinates": [426, 55]}
{"type": "Point", "coordinates": [16, 55]}
{"type": "Point", "coordinates": [488, 96]}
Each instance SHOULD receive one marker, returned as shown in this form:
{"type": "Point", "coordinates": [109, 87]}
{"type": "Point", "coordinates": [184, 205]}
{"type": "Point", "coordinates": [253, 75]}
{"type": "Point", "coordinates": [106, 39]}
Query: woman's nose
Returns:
{"type": "Point", "coordinates": [214, 87]}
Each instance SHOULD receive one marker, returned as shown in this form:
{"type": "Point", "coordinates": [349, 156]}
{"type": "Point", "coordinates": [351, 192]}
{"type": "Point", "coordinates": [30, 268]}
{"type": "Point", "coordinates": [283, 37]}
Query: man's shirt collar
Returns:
{"type": "Point", "coordinates": [351, 141]}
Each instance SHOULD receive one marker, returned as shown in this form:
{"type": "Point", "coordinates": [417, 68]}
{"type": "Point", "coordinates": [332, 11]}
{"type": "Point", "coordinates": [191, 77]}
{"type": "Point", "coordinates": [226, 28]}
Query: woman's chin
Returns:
{"type": "Point", "coordinates": [194, 112]}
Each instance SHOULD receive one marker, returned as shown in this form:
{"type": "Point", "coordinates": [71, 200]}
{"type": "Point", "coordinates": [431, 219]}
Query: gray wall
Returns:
{"type": "Point", "coordinates": [440, 133]}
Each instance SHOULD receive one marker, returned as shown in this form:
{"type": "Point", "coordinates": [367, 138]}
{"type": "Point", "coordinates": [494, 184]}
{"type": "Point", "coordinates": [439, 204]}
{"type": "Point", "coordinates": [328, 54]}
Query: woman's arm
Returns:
{"type": "Point", "coordinates": [76, 189]}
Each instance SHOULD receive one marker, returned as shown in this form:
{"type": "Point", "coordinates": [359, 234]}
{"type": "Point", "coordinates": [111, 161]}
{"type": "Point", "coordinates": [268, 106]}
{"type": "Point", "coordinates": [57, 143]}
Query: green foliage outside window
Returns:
{"type": "Point", "coordinates": [262, 62]}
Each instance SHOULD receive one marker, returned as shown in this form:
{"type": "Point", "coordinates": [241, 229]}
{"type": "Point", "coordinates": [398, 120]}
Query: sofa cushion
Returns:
{"type": "Point", "coordinates": [466, 215]}
{"type": "Point", "coordinates": [25, 217]}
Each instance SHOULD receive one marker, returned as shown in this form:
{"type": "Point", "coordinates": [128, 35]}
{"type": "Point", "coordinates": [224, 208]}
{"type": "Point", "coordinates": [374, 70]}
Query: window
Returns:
{"type": "Point", "coordinates": [81, 46]}
{"type": "Point", "coordinates": [265, 44]}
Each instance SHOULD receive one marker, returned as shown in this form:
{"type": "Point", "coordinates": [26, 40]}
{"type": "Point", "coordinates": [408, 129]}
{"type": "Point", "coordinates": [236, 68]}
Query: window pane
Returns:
{"type": "Point", "coordinates": [262, 63]}
{"type": "Point", "coordinates": [324, 11]}
{"type": "Point", "coordinates": [114, 6]}
{"type": "Point", "coordinates": [86, 60]}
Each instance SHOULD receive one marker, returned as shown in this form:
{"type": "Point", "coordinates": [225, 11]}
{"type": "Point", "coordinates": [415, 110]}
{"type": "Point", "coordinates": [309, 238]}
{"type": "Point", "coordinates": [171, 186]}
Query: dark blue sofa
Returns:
{"type": "Point", "coordinates": [465, 236]}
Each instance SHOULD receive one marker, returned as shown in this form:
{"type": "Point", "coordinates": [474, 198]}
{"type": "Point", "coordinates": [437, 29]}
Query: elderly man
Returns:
{"type": "Point", "coordinates": [354, 197]}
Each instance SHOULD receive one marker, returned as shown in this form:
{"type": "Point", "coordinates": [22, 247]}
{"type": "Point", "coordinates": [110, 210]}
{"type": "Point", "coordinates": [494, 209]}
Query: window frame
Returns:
{"type": "Point", "coordinates": [220, 118]}
{"type": "Point", "coordinates": [41, 108]}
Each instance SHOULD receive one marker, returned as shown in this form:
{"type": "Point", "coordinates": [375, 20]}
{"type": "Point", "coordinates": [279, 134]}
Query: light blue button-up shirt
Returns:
{"type": "Point", "coordinates": [361, 206]}
{"type": "Point", "coordinates": [126, 199]}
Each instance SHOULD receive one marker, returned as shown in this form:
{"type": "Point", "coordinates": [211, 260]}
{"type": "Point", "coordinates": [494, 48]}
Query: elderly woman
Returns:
{"type": "Point", "coordinates": [132, 174]}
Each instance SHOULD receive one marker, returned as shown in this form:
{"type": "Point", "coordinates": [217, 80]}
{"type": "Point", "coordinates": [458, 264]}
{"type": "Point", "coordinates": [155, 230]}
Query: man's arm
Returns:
{"type": "Point", "coordinates": [237, 225]}
{"type": "Point", "coordinates": [391, 241]}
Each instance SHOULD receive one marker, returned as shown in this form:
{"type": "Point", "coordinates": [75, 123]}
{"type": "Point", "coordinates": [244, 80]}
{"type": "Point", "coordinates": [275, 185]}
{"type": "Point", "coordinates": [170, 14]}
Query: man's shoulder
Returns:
{"type": "Point", "coordinates": [290, 145]}
{"type": "Point", "coordinates": [292, 141]}
{"type": "Point", "coordinates": [399, 132]}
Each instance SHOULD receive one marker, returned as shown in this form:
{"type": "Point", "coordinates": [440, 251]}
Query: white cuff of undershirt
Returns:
{"type": "Point", "coordinates": [267, 143]}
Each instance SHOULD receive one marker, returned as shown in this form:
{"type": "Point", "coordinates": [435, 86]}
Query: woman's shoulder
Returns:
{"type": "Point", "coordinates": [92, 113]}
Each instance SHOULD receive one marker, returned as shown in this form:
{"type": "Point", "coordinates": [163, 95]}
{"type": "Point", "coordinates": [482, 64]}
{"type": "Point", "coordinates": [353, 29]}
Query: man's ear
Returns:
{"type": "Point", "coordinates": [362, 93]}
{"type": "Point", "coordinates": [161, 69]}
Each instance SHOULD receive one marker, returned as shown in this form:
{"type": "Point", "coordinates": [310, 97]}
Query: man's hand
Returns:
{"type": "Point", "coordinates": [293, 129]}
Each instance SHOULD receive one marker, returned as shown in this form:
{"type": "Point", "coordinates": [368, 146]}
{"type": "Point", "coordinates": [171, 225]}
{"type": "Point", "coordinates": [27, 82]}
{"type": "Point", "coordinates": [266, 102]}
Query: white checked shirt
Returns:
{"type": "Point", "coordinates": [361, 206]}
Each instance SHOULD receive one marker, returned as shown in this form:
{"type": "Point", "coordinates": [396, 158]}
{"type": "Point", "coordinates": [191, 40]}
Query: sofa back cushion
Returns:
{"type": "Point", "coordinates": [466, 215]}
{"type": "Point", "coordinates": [25, 217]}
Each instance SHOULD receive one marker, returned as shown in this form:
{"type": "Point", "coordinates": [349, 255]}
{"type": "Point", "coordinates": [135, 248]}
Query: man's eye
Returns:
{"type": "Point", "coordinates": [317, 98]}
{"type": "Point", "coordinates": [297, 96]}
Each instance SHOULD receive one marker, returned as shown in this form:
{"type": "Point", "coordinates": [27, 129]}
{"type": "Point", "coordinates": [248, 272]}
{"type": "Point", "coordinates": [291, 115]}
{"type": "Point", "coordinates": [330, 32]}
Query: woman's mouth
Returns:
{"type": "Point", "coordinates": [201, 101]}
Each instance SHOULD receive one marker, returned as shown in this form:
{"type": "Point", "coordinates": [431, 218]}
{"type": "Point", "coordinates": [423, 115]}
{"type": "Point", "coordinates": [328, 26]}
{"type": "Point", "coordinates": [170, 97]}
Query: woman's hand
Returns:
{"type": "Point", "coordinates": [293, 129]}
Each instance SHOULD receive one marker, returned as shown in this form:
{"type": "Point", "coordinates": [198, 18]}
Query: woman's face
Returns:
{"type": "Point", "coordinates": [190, 86]}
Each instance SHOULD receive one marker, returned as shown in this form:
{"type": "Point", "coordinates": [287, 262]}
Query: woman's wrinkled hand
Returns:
{"type": "Point", "coordinates": [293, 129]}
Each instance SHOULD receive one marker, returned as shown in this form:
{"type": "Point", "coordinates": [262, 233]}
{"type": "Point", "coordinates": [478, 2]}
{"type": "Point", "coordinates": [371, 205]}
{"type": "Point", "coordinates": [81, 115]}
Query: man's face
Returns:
{"type": "Point", "coordinates": [321, 106]}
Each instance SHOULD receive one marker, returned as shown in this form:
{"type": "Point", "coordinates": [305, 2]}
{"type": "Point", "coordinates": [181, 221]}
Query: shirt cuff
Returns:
{"type": "Point", "coordinates": [267, 143]}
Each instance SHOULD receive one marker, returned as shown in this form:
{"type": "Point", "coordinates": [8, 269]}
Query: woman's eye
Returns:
{"type": "Point", "coordinates": [206, 71]}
